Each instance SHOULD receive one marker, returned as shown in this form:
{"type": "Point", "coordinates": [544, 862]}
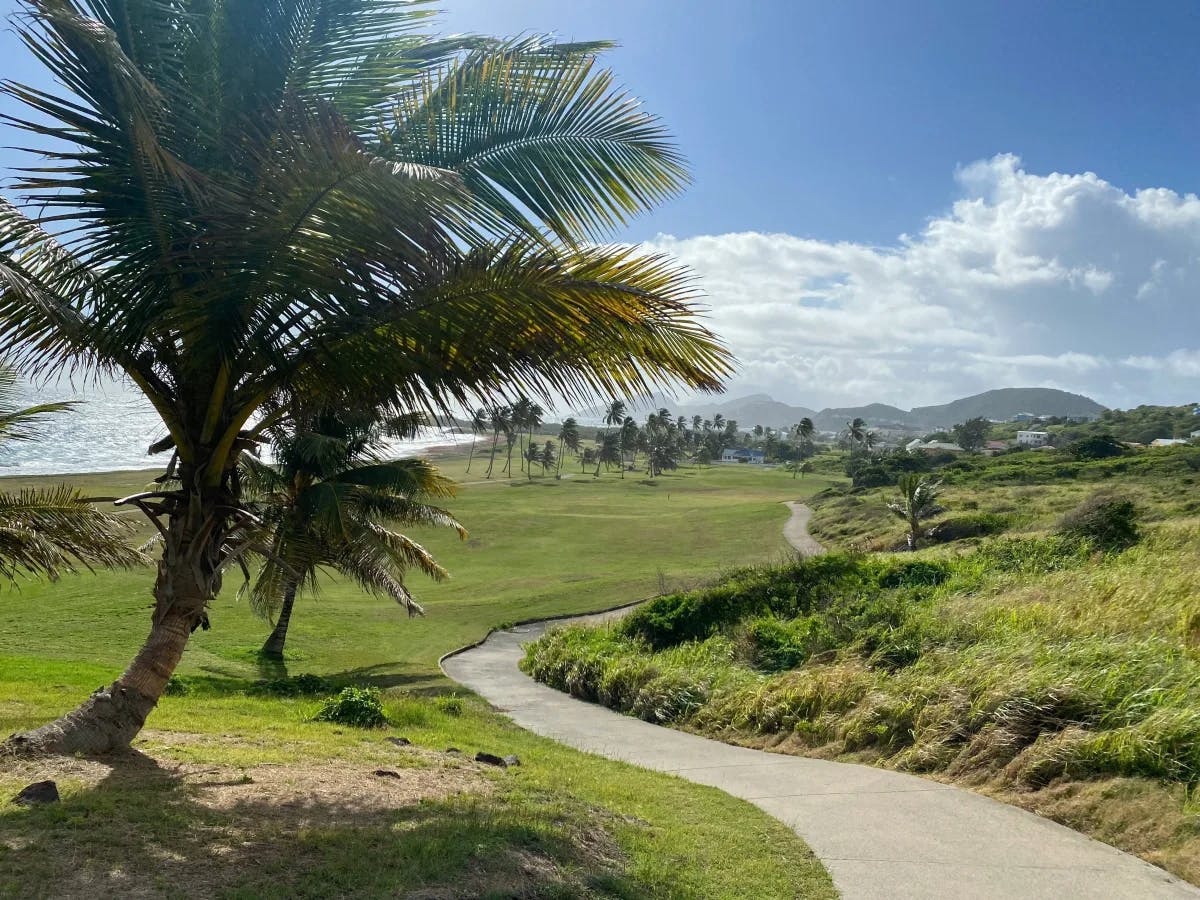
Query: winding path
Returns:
{"type": "Point", "coordinates": [882, 835]}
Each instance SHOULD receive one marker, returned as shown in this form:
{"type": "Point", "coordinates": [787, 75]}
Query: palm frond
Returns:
{"type": "Point", "coordinates": [541, 137]}
{"type": "Point", "coordinates": [54, 530]}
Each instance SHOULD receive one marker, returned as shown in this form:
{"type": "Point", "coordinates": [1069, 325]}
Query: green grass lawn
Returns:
{"type": "Point", "coordinates": [241, 795]}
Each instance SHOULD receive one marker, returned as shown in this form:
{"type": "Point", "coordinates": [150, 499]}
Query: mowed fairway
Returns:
{"type": "Point", "coordinates": [240, 793]}
{"type": "Point", "coordinates": [536, 548]}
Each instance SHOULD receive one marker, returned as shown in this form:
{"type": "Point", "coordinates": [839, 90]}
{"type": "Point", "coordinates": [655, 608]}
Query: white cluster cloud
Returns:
{"type": "Point", "coordinates": [1029, 280]}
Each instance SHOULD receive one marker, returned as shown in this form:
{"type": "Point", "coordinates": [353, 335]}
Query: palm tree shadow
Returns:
{"type": "Point", "coordinates": [146, 828]}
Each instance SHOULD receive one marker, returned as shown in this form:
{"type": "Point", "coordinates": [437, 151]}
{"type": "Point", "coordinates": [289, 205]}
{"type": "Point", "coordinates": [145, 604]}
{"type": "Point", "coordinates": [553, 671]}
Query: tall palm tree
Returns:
{"type": "Point", "coordinates": [629, 443]}
{"type": "Point", "coordinates": [568, 440]}
{"type": "Point", "coordinates": [331, 501]}
{"type": "Point", "coordinates": [310, 199]}
{"type": "Point", "coordinates": [48, 531]}
{"type": "Point", "coordinates": [614, 413]}
{"type": "Point", "coordinates": [479, 424]}
{"type": "Point", "coordinates": [718, 422]}
{"type": "Point", "coordinates": [856, 432]}
{"type": "Point", "coordinates": [500, 418]}
{"type": "Point", "coordinates": [522, 409]}
{"type": "Point", "coordinates": [917, 501]}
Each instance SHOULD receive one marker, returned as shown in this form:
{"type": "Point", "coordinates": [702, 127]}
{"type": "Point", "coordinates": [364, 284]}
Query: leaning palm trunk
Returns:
{"type": "Point", "coordinates": [278, 639]}
{"type": "Point", "coordinates": [188, 579]}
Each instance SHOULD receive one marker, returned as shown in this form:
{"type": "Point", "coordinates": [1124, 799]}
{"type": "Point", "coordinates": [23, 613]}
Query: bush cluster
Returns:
{"type": "Point", "coordinates": [1107, 521]}
{"type": "Point", "coordinates": [354, 706]}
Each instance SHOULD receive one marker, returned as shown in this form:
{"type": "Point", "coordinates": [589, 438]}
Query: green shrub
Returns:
{"type": "Point", "coordinates": [450, 704]}
{"type": "Point", "coordinates": [177, 687]}
{"type": "Point", "coordinates": [1107, 521]}
{"type": "Point", "coordinates": [914, 573]}
{"type": "Point", "coordinates": [959, 528]}
{"type": "Point", "coordinates": [1097, 446]}
{"type": "Point", "coordinates": [358, 707]}
{"type": "Point", "coordinates": [304, 685]}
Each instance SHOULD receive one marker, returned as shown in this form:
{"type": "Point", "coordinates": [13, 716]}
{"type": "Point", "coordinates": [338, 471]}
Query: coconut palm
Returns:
{"type": "Point", "coordinates": [48, 531]}
{"type": "Point", "coordinates": [479, 424]}
{"type": "Point", "coordinates": [804, 430]}
{"type": "Point", "coordinates": [856, 433]}
{"type": "Point", "coordinates": [273, 202]}
{"type": "Point", "coordinates": [568, 440]}
{"type": "Point", "coordinates": [331, 501]}
{"type": "Point", "coordinates": [521, 413]}
{"type": "Point", "coordinates": [500, 418]}
{"type": "Point", "coordinates": [916, 502]}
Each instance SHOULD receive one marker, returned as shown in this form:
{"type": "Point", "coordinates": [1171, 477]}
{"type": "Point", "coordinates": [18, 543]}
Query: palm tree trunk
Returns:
{"type": "Point", "coordinates": [471, 452]}
{"type": "Point", "coordinates": [188, 578]}
{"type": "Point", "coordinates": [492, 461]}
{"type": "Point", "coordinates": [278, 639]}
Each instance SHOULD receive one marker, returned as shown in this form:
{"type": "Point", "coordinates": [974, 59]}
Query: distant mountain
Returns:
{"type": "Point", "coordinates": [1002, 404]}
{"type": "Point", "coordinates": [878, 415]}
{"type": "Point", "coordinates": [756, 409]}
{"type": "Point", "coordinates": [1005, 403]}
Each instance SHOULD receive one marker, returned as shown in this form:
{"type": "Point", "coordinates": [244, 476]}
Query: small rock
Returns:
{"type": "Point", "coordinates": [38, 792]}
{"type": "Point", "coordinates": [490, 759]}
{"type": "Point", "coordinates": [512, 760]}
{"type": "Point", "coordinates": [453, 750]}
{"type": "Point", "coordinates": [399, 741]}
{"type": "Point", "coordinates": [386, 773]}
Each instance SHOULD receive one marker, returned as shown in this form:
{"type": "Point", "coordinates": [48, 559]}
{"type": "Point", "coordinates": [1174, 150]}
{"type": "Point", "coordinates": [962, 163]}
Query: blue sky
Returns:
{"type": "Point", "coordinates": [845, 120]}
{"type": "Point", "coordinates": [911, 201]}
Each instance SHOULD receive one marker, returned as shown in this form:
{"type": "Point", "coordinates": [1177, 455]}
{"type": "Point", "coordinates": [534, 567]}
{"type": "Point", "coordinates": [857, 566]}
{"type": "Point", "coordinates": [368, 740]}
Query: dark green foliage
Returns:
{"type": "Point", "coordinates": [304, 685]}
{"type": "Point", "coordinates": [914, 573]}
{"type": "Point", "coordinates": [177, 687]}
{"type": "Point", "coordinates": [357, 707]}
{"type": "Point", "coordinates": [958, 528]}
{"type": "Point", "coordinates": [1108, 521]}
{"type": "Point", "coordinates": [885, 469]}
{"type": "Point", "coordinates": [787, 591]}
{"type": "Point", "coordinates": [1096, 446]}
{"type": "Point", "coordinates": [973, 433]}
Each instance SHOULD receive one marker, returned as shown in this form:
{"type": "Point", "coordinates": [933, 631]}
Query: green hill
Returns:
{"type": "Point", "coordinates": [1005, 403]}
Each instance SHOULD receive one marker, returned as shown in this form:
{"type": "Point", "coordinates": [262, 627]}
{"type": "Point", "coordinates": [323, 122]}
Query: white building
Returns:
{"type": "Point", "coordinates": [1033, 438]}
{"type": "Point", "coordinates": [1168, 442]}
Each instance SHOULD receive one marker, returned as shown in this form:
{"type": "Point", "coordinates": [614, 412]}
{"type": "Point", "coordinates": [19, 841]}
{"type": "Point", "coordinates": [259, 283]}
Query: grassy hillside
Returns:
{"type": "Point", "coordinates": [240, 794]}
{"type": "Point", "coordinates": [1030, 665]}
{"type": "Point", "coordinates": [1026, 491]}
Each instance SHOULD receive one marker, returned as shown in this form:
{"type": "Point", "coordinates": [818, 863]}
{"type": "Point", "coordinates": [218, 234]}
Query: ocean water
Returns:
{"type": "Point", "coordinates": [112, 428]}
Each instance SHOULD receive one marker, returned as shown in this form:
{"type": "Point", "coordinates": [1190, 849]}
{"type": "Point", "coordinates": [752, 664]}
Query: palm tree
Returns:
{"type": "Point", "coordinates": [804, 430]}
{"type": "Point", "coordinates": [331, 501]}
{"type": "Point", "coordinates": [501, 422]}
{"type": "Point", "coordinates": [629, 442]}
{"type": "Point", "coordinates": [48, 531]}
{"type": "Point", "coordinates": [479, 423]}
{"type": "Point", "coordinates": [609, 452]}
{"type": "Point", "coordinates": [718, 423]}
{"type": "Point", "coordinates": [547, 457]}
{"type": "Point", "coordinates": [568, 439]}
{"type": "Point", "coordinates": [309, 201]}
{"type": "Point", "coordinates": [533, 421]}
{"type": "Point", "coordinates": [917, 501]}
{"type": "Point", "coordinates": [587, 459]}
{"type": "Point", "coordinates": [521, 411]}
{"type": "Point", "coordinates": [856, 432]}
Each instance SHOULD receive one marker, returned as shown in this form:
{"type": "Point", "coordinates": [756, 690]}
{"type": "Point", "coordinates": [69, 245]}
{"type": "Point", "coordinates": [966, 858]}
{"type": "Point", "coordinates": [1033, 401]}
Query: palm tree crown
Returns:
{"type": "Point", "coordinates": [308, 201]}
{"type": "Point", "coordinates": [331, 501]}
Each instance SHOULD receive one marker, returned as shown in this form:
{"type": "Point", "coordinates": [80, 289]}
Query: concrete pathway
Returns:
{"type": "Point", "coordinates": [795, 530]}
{"type": "Point", "coordinates": [882, 835]}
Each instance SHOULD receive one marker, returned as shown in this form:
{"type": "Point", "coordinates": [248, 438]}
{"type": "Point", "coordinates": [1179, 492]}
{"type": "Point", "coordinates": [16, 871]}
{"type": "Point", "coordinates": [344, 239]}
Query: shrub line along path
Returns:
{"type": "Point", "coordinates": [880, 833]}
